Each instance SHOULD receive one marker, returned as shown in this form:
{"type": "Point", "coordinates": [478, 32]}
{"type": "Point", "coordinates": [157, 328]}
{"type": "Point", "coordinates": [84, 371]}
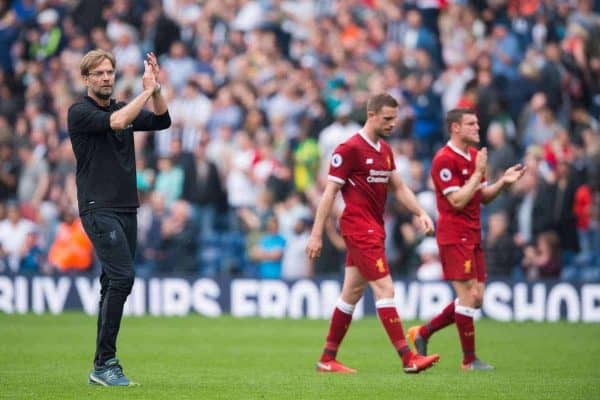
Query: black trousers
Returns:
{"type": "Point", "coordinates": [114, 236]}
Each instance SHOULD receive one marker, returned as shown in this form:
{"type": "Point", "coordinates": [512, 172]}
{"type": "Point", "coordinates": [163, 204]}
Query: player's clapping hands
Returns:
{"type": "Point", "coordinates": [513, 174]}
{"type": "Point", "coordinates": [148, 79]}
{"type": "Point", "coordinates": [153, 63]}
{"type": "Point", "coordinates": [481, 160]}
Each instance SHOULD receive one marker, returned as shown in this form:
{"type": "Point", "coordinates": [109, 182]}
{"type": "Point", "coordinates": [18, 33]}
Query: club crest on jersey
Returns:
{"type": "Point", "coordinates": [445, 175]}
{"type": "Point", "coordinates": [336, 160]}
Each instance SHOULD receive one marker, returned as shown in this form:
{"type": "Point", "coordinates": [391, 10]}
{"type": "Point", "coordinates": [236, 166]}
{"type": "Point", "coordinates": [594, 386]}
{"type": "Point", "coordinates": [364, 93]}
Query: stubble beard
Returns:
{"type": "Point", "coordinates": [103, 94]}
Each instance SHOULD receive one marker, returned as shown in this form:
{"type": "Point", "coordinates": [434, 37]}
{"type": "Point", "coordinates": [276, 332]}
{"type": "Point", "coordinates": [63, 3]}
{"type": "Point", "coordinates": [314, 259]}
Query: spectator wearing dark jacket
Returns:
{"type": "Point", "coordinates": [178, 246]}
{"type": "Point", "coordinates": [206, 191]}
{"type": "Point", "coordinates": [501, 252]}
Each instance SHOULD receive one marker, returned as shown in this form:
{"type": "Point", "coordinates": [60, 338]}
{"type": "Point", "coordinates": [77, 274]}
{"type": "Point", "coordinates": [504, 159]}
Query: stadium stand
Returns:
{"type": "Point", "coordinates": [261, 90]}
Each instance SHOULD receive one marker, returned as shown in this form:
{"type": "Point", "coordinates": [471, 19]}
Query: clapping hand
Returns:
{"type": "Point", "coordinates": [513, 174]}
{"type": "Point", "coordinates": [153, 63]}
{"type": "Point", "coordinates": [148, 79]}
{"type": "Point", "coordinates": [481, 160]}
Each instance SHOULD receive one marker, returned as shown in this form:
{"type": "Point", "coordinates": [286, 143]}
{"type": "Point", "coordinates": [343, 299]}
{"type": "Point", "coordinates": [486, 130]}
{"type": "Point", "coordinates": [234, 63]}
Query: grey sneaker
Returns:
{"type": "Point", "coordinates": [419, 343]}
{"type": "Point", "coordinates": [109, 375]}
{"type": "Point", "coordinates": [477, 365]}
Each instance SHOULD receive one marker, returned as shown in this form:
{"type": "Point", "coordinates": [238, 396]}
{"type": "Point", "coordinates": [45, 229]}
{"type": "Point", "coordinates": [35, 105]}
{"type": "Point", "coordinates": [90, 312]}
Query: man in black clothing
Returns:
{"type": "Point", "coordinates": [101, 131]}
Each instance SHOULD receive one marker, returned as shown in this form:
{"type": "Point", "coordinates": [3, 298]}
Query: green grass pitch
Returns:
{"type": "Point", "coordinates": [49, 357]}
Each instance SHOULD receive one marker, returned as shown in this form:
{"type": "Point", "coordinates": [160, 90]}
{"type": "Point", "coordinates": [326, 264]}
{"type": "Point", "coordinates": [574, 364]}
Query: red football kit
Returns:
{"type": "Point", "coordinates": [364, 169]}
{"type": "Point", "coordinates": [458, 231]}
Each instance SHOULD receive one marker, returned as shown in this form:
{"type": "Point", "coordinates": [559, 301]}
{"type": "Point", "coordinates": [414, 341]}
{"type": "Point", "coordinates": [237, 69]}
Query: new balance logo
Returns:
{"type": "Point", "coordinates": [369, 161]}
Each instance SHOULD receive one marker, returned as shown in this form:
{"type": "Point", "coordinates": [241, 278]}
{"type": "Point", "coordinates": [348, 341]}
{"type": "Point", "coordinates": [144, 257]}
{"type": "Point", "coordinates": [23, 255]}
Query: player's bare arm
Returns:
{"type": "Point", "coordinates": [460, 198]}
{"type": "Point", "coordinates": [315, 242]}
{"type": "Point", "coordinates": [406, 196]}
{"type": "Point", "coordinates": [510, 176]}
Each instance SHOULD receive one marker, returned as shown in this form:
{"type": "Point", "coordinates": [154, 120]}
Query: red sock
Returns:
{"type": "Point", "coordinates": [466, 331]}
{"type": "Point", "coordinates": [340, 322]}
{"type": "Point", "coordinates": [442, 320]}
{"type": "Point", "coordinates": [386, 309]}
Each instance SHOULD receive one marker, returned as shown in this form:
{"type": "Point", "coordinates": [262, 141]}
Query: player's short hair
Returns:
{"type": "Point", "coordinates": [455, 116]}
{"type": "Point", "coordinates": [378, 101]}
{"type": "Point", "coordinates": [93, 58]}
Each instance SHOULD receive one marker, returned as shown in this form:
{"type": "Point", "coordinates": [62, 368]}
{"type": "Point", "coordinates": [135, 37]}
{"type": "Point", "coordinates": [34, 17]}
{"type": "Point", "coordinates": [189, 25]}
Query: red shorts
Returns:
{"type": "Point", "coordinates": [462, 262]}
{"type": "Point", "coordinates": [367, 253]}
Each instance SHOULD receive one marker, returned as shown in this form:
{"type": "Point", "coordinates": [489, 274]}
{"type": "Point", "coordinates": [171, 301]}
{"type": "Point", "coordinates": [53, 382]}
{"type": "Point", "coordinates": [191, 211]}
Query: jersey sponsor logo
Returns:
{"type": "Point", "coordinates": [378, 176]}
{"type": "Point", "coordinates": [369, 161]}
{"type": "Point", "coordinates": [468, 266]}
{"type": "Point", "coordinates": [380, 265]}
{"type": "Point", "coordinates": [336, 160]}
{"type": "Point", "coordinates": [445, 175]}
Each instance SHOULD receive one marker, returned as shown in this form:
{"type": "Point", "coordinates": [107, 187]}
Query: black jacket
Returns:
{"type": "Point", "coordinates": [106, 174]}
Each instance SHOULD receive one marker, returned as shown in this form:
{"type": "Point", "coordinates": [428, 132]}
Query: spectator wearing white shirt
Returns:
{"type": "Point", "coordinates": [295, 263]}
{"type": "Point", "coordinates": [13, 234]}
{"type": "Point", "coordinates": [126, 48]}
{"type": "Point", "coordinates": [338, 132]}
{"type": "Point", "coordinates": [431, 267]}
{"type": "Point", "coordinates": [178, 65]}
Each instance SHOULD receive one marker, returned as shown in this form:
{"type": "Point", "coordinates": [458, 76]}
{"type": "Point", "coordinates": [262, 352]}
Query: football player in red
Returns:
{"type": "Point", "coordinates": [363, 169]}
{"type": "Point", "coordinates": [458, 172]}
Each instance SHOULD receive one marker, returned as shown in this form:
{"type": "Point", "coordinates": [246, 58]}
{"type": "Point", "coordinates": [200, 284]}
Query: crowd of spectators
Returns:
{"type": "Point", "coordinates": [261, 91]}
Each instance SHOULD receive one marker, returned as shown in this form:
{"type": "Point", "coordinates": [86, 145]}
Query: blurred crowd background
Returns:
{"type": "Point", "coordinates": [261, 91]}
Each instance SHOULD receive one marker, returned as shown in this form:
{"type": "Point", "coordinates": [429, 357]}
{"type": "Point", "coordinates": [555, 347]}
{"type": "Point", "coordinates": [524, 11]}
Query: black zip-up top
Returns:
{"type": "Point", "coordinates": [106, 174]}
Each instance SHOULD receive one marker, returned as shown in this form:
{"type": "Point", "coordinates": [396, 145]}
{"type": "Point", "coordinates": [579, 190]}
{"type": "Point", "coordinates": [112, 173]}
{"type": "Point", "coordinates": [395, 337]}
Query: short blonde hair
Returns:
{"type": "Point", "coordinates": [93, 58]}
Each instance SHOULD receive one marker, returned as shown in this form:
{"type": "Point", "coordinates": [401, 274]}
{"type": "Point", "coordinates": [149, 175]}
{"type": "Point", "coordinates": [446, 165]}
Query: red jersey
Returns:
{"type": "Point", "coordinates": [451, 169]}
{"type": "Point", "coordinates": [364, 169]}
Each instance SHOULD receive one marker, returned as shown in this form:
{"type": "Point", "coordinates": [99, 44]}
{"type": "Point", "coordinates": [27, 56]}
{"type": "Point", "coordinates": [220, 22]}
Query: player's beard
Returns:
{"type": "Point", "coordinates": [104, 93]}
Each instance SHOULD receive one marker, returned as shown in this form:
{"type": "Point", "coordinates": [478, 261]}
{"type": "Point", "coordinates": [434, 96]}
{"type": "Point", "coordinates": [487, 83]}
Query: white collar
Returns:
{"type": "Point", "coordinates": [458, 151]}
{"type": "Point", "coordinates": [376, 146]}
